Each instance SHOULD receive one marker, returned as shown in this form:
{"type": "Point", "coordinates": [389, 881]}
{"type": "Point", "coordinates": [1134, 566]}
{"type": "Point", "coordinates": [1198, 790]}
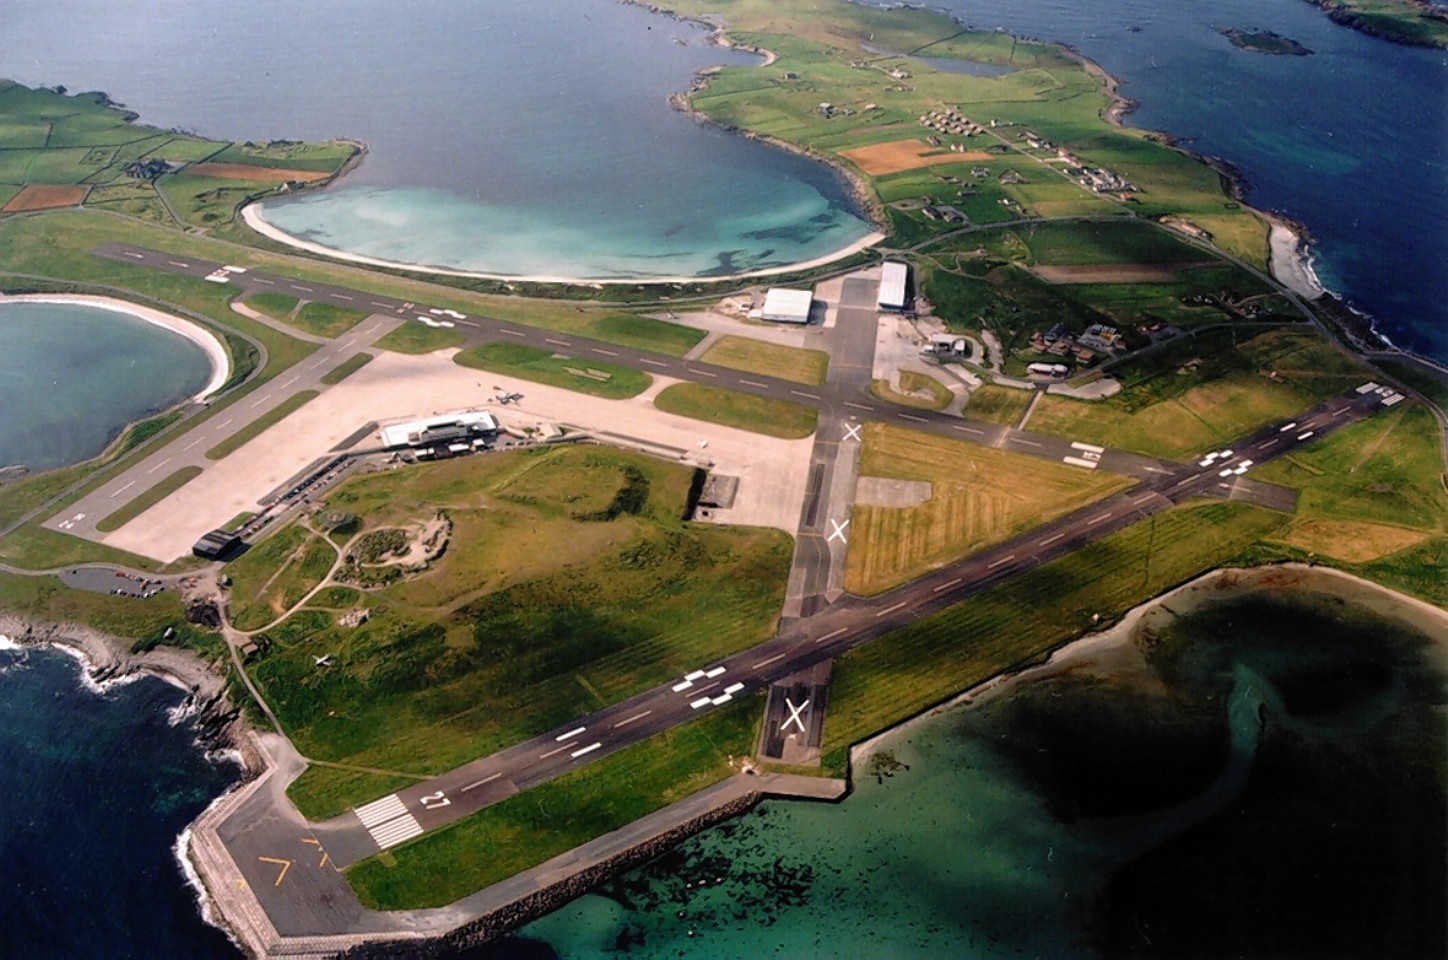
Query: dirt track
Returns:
{"type": "Point", "coordinates": [1112, 272]}
{"type": "Point", "coordinates": [898, 155]}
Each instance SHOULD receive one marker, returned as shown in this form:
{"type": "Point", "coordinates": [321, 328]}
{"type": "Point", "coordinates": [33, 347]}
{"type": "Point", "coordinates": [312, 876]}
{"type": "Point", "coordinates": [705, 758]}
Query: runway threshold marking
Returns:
{"type": "Point", "coordinates": [479, 783]}
{"type": "Point", "coordinates": [831, 636]}
{"type": "Point", "coordinates": [891, 609]}
{"type": "Point", "coordinates": [379, 303]}
{"type": "Point", "coordinates": [947, 586]}
{"type": "Point", "coordinates": [638, 716]}
{"type": "Point", "coordinates": [569, 735]}
{"type": "Point", "coordinates": [764, 663]}
{"type": "Point", "coordinates": [588, 749]}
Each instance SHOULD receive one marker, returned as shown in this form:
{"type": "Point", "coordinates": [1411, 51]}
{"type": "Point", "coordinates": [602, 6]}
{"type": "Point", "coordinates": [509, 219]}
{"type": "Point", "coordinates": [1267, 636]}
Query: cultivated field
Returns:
{"type": "Point", "coordinates": [879, 159]}
{"type": "Point", "coordinates": [37, 196]}
{"type": "Point", "coordinates": [244, 171]}
{"type": "Point", "coordinates": [979, 496]}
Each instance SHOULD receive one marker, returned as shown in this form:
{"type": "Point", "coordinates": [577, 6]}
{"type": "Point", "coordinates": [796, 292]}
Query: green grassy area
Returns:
{"type": "Point", "coordinates": [1003, 405]}
{"type": "Point", "coordinates": [928, 661]}
{"type": "Point", "coordinates": [275, 575]}
{"type": "Point", "coordinates": [769, 359]}
{"type": "Point", "coordinates": [148, 499]}
{"type": "Point", "coordinates": [261, 425]}
{"type": "Point", "coordinates": [1416, 22]}
{"type": "Point", "coordinates": [278, 306]}
{"type": "Point", "coordinates": [977, 496]}
{"type": "Point", "coordinates": [346, 368]}
{"type": "Point", "coordinates": [916, 390]}
{"type": "Point", "coordinates": [45, 600]}
{"type": "Point", "coordinates": [569, 582]}
{"type": "Point", "coordinates": [526, 829]}
{"type": "Point", "coordinates": [1198, 392]}
{"type": "Point", "coordinates": [774, 418]}
{"type": "Point", "coordinates": [1432, 386]}
{"type": "Point", "coordinates": [417, 338]}
{"type": "Point", "coordinates": [319, 319]}
{"type": "Point", "coordinates": [594, 377]}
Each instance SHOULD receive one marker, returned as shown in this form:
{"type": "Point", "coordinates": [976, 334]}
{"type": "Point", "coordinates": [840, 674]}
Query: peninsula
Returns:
{"type": "Point", "coordinates": [517, 584]}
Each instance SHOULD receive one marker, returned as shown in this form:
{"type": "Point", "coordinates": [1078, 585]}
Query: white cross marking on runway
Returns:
{"type": "Point", "coordinates": [838, 531]}
{"type": "Point", "coordinates": [852, 432]}
{"type": "Point", "coordinates": [794, 713]}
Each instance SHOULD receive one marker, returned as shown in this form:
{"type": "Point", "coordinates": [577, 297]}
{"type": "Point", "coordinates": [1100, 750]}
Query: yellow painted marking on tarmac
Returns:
{"type": "Point", "coordinates": [318, 844]}
{"type": "Point", "coordinates": [285, 865]}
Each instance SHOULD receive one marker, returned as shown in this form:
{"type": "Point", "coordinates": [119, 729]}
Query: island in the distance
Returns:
{"type": "Point", "coordinates": [1264, 41]}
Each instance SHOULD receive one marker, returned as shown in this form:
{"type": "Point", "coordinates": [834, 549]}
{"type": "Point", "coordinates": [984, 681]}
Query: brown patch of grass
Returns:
{"type": "Point", "coordinates": [45, 196]}
{"type": "Point", "coordinates": [244, 171]}
{"type": "Point", "coordinates": [897, 155]}
{"type": "Point", "coordinates": [1351, 541]}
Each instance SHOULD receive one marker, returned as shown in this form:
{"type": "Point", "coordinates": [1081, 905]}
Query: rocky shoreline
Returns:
{"type": "Point", "coordinates": [108, 660]}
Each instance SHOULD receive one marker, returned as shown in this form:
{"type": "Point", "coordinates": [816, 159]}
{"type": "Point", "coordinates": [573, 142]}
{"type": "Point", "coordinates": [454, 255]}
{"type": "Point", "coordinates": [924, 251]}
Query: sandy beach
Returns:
{"type": "Point", "coordinates": [251, 213]}
{"type": "Point", "coordinates": [203, 338]}
{"type": "Point", "coordinates": [1291, 264]}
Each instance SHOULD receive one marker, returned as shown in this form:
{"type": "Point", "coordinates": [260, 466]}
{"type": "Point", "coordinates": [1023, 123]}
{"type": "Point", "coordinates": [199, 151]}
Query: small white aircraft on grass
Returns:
{"type": "Point", "coordinates": [323, 661]}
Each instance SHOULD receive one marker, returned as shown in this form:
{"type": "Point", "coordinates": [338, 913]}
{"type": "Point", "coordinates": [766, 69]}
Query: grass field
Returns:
{"type": "Point", "coordinates": [149, 499]}
{"type": "Point", "coordinates": [417, 338]}
{"type": "Point", "coordinates": [769, 359]}
{"type": "Point", "coordinates": [773, 418]}
{"type": "Point", "coordinates": [569, 582]}
{"type": "Point", "coordinates": [979, 496]}
{"type": "Point", "coordinates": [1003, 405]}
{"type": "Point", "coordinates": [320, 319]}
{"type": "Point", "coordinates": [346, 368]}
{"type": "Point", "coordinates": [919, 391]}
{"type": "Point", "coordinates": [529, 828]}
{"type": "Point", "coordinates": [607, 380]}
{"type": "Point", "coordinates": [1180, 401]}
{"type": "Point", "coordinates": [261, 425]}
{"type": "Point", "coordinates": [275, 575]}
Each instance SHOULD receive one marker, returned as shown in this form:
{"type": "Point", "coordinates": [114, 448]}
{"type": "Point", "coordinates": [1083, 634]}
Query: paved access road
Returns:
{"type": "Point", "coordinates": [847, 624]}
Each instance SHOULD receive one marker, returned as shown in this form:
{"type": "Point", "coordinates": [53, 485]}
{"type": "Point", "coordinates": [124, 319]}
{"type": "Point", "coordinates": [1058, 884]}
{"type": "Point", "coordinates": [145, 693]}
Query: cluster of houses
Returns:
{"type": "Point", "coordinates": [1085, 349]}
{"type": "Point", "coordinates": [150, 169]}
{"type": "Point", "coordinates": [1098, 179]}
{"type": "Point", "coordinates": [947, 120]}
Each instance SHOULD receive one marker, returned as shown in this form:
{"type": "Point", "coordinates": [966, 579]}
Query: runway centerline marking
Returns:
{"type": "Point", "coordinates": [858, 406]}
{"type": "Point", "coordinates": [831, 636]}
{"type": "Point", "coordinates": [159, 465]}
{"type": "Point", "coordinates": [1049, 540]}
{"type": "Point", "coordinates": [764, 663]}
{"type": "Point", "coordinates": [801, 393]}
{"type": "Point", "coordinates": [753, 383]}
{"type": "Point", "coordinates": [606, 353]}
{"type": "Point", "coordinates": [889, 610]}
{"type": "Point", "coordinates": [947, 586]}
{"type": "Point", "coordinates": [479, 783]}
{"type": "Point", "coordinates": [705, 373]}
{"type": "Point", "coordinates": [652, 363]}
{"type": "Point", "coordinates": [512, 333]}
{"type": "Point", "coordinates": [1095, 520]}
{"type": "Point", "coordinates": [1029, 443]}
{"type": "Point", "coordinates": [911, 416]}
{"type": "Point", "coordinates": [638, 716]}
{"type": "Point", "coordinates": [557, 342]}
{"type": "Point", "coordinates": [1001, 562]}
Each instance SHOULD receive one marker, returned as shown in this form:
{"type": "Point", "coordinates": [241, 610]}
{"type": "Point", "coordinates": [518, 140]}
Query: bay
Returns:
{"type": "Point", "coordinates": [72, 377]}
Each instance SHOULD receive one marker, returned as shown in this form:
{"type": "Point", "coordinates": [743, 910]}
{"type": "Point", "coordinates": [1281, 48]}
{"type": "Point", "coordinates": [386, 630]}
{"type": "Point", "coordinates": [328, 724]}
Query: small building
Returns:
{"type": "Point", "coordinates": [217, 545]}
{"type": "Point", "coordinates": [1056, 371]}
{"type": "Point", "coordinates": [894, 281]}
{"type": "Point", "coordinates": [947, 346]}
{"type": "Point", "coordinates": [441, 430]}
{"type": "Point", "coordinates": [783, 305]}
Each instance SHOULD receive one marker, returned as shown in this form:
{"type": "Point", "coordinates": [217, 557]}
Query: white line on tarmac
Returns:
{"type": "Point", "coordinates": [637, 716]}
{"type": "Point", "coordinates": [159, 465]}
{"type": "Point", "coordinates": [764, 663]}
{"type": "Point", "coordinates": [1088, 447]}
{"type": "Point", "coordinates": [588, 749]}
{"type": "Point", "coordinates": [570, 734]}
{"type": "Point", "coordinates": [889, 610]}
{"type": "Point", "coordinates": [947, 586]}
{"type": "Point", "coordinates": [1184, 480]}
{"type": "Point", "coordinates": [179, 263]}
{"type": "Point", "coordinates": [288, 383]}
{"type": "Point", "coordinates": [911, 416]}
{"type": "Point", "coordinates": [652, 363]}
{"type": "Point", "coordinates": [1271, 443]}
{"type": "Point", "coordinates": [379, 303]}
{"type": "Point", "coordinates": [134, 256]}
{"type": "Point", "coordinates": [341, 296]}
{"type": "Point", "coordinates": [1049, 540]}
{"type": "Point", "coordinates": [512, 333]}
{"type": "Point", "coordinates": [753, 383]}
{"type": "Point", "coordinates": [975, 430]}
{"type": "Point", "coordinates": [260, 401]}
{"type": "Point", "coordinates": [1095, 520]}
{"type": "Point", "coordinates": [192, 444]}
{"type": "Point", "coordinates": [222, 425]}
{"type": "Point", "coordinates": [1001, 562]}
{"type": "Point", "coordinates": [1144, 499]}
{"type": "Point", "coordinates": [469, 323]}
{"type": "Point", "coordinates": [606, 353]}
{"type": "Point", "coordinates": [479, 783]}
{"type": "Point", "coordinates": [124, 489]}
{"type": "Point", "coordinates": [263, 280]}
{"type": "Point", "coordinates": [314, 366]}
{"type": "Point", "coordinates": [801, 393]}
{"type": "Point", "coordinates": [831, 636]}
{"type": "Point", "coordinates": [705, 373]}
{"type": "Point", "coordinates": [859, 406]}
{"type": "Point", "coordinates": [553, 752]}
{"type": "Point", "coordinates": [1156, 470]}
{"type": "Point", "coordinates": [1029, 443]}
{"type": "Point", "coordinates": [556, 342]}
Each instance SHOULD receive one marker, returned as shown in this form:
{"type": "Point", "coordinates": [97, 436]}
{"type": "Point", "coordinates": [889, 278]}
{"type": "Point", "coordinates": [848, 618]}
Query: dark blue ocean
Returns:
{"type": "Point", "coordinates": [97, 786]}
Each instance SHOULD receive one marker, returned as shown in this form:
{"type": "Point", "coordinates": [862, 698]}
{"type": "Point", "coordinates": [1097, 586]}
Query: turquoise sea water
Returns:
{"type": "Point", "coordinates": [72, 377]}
{"type": "Point", "coordinates": [519, 137]}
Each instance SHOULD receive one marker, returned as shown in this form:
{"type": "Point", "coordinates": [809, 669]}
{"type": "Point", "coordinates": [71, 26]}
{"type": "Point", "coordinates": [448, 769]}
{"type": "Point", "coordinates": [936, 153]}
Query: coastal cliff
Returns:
{"type": "Point", "coordinates": [1413, 23]}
